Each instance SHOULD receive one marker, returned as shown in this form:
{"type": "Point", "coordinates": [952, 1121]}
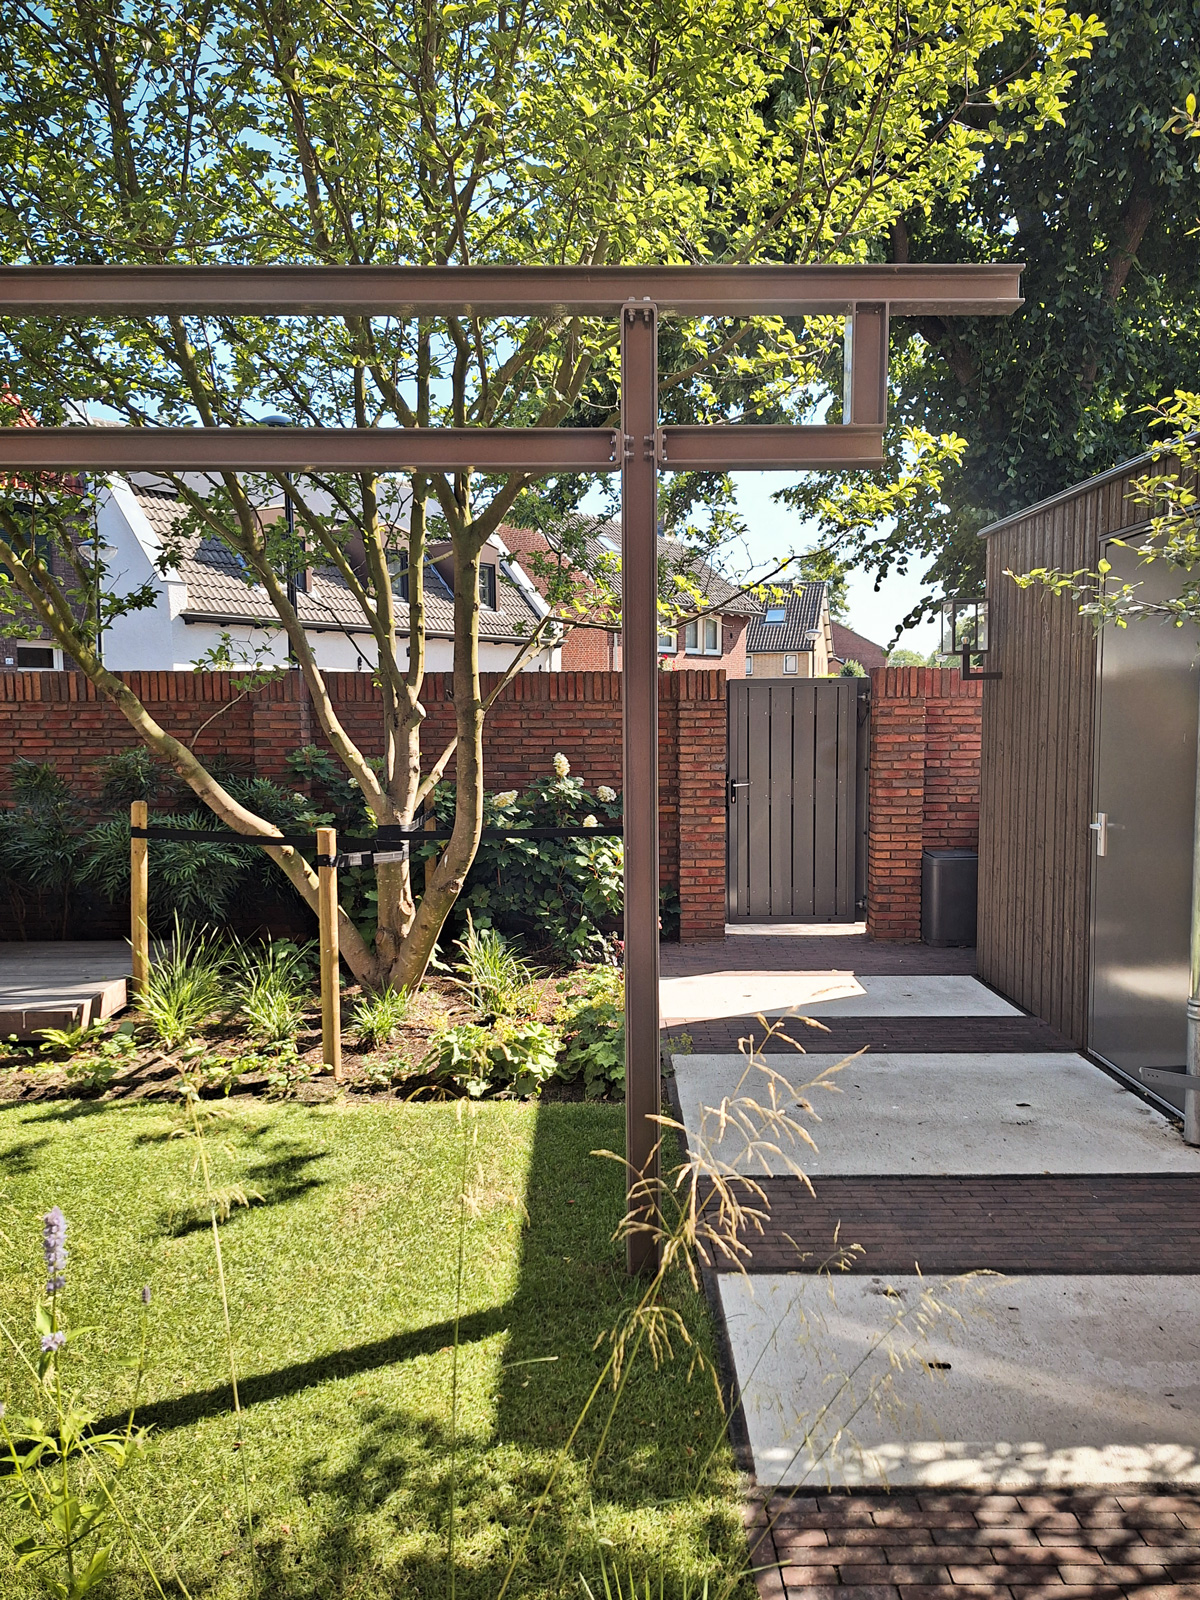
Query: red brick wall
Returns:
{"type": "Point", "coordinates": [58, 717]}
{"type": "Point", "coordinates": [925, 749]}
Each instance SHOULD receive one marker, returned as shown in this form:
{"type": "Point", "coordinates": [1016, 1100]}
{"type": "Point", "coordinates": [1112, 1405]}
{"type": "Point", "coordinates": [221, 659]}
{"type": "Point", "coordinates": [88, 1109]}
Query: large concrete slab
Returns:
{"type": "Point", "coordinates": [826, 994]}
{"type": "Point", "coordinates": [1044, 1381]}
{"type": "Point", "coordinates": [67, 984]}
{"type": "Point", "coordinates": [937, 1115]}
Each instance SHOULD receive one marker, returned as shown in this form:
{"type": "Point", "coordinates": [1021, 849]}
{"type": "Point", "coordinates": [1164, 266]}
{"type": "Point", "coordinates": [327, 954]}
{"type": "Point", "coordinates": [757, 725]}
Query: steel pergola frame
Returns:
{"type": "Point", "coordinates": [868, 296]}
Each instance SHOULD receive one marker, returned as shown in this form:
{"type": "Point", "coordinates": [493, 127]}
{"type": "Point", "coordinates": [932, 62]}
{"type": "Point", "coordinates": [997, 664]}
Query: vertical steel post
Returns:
{"type": "Point", "coordinates": [639, 665]}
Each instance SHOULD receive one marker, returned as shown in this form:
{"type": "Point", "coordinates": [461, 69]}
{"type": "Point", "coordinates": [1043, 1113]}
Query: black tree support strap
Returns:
{"type": "Point", "coordinates": [389, 844]}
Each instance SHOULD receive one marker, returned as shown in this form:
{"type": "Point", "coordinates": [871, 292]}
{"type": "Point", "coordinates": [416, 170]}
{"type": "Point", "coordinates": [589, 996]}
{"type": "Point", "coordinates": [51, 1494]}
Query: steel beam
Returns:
{"type": "Point", "coordinates": [536, 450]}
{"type": "Point", "coordinates": [639, 688]}
{"type": "Point", "coordinates": [297, 450]}
{"type": "Point", "coordinates": [756, 448]}
{"type": "Point", "coordinates": [408, 292]}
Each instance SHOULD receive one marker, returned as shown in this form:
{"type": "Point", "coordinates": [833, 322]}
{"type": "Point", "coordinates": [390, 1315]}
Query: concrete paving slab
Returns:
{"type": "Point", "coordinates": [826, 994]}
{"type": "Point", "coordinates": [1046, 1381]}
{"type": "Point", "coordinates": [61, 984]}
{"type": "Point", "coordinates": [943, 1115]}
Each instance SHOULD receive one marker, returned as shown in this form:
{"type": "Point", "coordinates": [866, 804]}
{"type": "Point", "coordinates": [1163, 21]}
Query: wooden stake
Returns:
{"type": "Point", "coordinates": [139, 893]}
{"type": "Point", "coordinates": [331, 992]}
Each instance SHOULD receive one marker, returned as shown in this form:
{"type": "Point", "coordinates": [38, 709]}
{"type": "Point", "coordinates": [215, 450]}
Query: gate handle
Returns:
{"type": "Point", "coordinates": [1100, 829]}
{"type": "Point", "coordinates": [734, 785]}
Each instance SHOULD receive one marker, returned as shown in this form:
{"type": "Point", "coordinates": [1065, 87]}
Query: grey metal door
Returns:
{"type": "Point", "coordinates": [797, 800]}
{"type": "Point", "coordinates": [1144, 795]}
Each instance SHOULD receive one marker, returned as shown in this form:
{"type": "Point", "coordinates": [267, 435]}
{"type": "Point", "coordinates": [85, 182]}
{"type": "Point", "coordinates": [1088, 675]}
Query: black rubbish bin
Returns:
{"type": "Point", "coordinates": [949, 896]}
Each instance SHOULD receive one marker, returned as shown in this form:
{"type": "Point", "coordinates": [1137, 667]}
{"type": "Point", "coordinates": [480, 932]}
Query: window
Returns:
{"type": "Point", "coordinates": [36, 658]}
{"type": "Point", "coordinates": [666, 644]}
{"type": "Point", "coordinates": [691, 638]}
{"type": "Point", "coordinates": [749, 666]}
{"type": "Point", "coordinates": [776, 614]}
{"type": "Point", "coordinates": [712, 636]}
{"type": "Point", "coordinates": [487, 586]}
{"type": "Point", "coordinates": [789, 665]}
{"type": "Point", "coordinates": [702, 637]}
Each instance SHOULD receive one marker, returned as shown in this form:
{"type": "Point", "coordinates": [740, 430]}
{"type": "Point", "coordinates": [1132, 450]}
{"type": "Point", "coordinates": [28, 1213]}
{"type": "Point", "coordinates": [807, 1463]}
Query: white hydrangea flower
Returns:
{"type": "Point", "coordinates": [562, 766]}
{"type": "Point", "coordinates": [590, 822]}
{"type": "Point", "coordinates": [606, 794]}
{"type": "Point", "coordinates": [506, 799]}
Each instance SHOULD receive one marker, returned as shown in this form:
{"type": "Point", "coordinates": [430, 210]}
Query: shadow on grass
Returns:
{"type": "Point", "coordinates": [276, 1182]}
{"type": "Point", "coordinates": [18, 1160]}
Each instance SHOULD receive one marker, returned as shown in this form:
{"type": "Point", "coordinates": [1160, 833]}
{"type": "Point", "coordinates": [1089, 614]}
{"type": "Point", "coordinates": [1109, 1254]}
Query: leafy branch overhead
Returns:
{"type": "Point", "coordinates": [331, 132]}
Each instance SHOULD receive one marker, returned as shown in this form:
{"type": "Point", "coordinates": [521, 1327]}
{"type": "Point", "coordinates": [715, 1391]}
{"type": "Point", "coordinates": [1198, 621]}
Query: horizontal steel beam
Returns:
{"type": "Point", "coordinates": [406, 292]}
{"type": "Point", "coordinates": [755, 448]}
{"type": "Point", "coordinates": [98, 449]}
{"type": "Point", "coordinates": [534, 450]}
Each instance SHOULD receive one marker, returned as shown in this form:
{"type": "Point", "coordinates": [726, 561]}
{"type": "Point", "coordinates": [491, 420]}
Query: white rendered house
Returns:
{"type": "Point", "coordinates": [205, 599]}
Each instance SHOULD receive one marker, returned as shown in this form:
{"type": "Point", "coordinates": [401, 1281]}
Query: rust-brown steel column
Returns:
{"type": "Point", "coordinates": [639, 665]}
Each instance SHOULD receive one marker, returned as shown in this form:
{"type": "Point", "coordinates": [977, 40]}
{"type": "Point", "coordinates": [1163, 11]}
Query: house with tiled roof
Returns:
{"type": "Point", "coordinates": [715, 638]}
{"type": "Point", "coordinates": [792, 637]}
{"type": "Point", "coordinates": [206, 593]}
{"type": "Point", "coordinates": [851, 646]}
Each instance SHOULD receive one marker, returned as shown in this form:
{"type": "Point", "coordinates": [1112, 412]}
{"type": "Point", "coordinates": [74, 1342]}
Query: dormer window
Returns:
{"type": "Point", "coordinates": [487, 585]}
{"type": "Point", "coordinates": [776, 614]}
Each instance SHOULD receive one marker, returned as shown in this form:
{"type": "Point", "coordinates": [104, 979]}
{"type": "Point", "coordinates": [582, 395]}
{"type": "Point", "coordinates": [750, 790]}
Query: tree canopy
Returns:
{"type": "Point", "coordinates": [348, 131]}
{"type": "Point", "coordinates": [1103, 208]}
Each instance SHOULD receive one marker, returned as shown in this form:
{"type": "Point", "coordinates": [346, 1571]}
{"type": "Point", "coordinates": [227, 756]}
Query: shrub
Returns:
{"type": "Point", "coordinates": [509, 1058]}
{"type": "Point", "coordinates": [377, 1016]}
{"type": "Point", "coordinates": [187, 984]}
{"type": "Point", "coordinates": [273, 988]}
{"type": "Point", "coordinates": [567, 892]}
{"type": "Point", "coordinates": [40, 839]}
{"type": "Point", "coordinates": [497, 980]}
{"type": "Point", "coordinates": [593, 1022]}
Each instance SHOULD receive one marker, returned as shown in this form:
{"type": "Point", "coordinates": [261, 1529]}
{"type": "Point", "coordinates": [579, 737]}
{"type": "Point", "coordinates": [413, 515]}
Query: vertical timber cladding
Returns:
{"type": "Point", "coordinates": [1036, 779]}
{"type": "Point", "coordinates": [795, 817]}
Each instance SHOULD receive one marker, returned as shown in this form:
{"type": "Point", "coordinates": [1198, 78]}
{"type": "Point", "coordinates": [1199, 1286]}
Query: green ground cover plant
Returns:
{"type": "Point", "coordinates": [415, 1299]}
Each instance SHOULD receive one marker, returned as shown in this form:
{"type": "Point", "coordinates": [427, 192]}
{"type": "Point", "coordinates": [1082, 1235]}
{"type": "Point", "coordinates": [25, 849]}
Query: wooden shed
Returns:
{"type": "Point", "coordinates": [1088, 788]}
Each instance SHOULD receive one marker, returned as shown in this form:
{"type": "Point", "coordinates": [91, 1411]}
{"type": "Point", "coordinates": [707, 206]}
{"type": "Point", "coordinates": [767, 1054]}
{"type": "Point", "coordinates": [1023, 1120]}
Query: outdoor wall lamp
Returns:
{"type": "Point", "coordinates": [965, 633]}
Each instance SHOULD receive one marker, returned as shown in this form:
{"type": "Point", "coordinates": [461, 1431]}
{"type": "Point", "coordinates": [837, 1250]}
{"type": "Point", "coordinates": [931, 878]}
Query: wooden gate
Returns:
{"type": "Point", "coordinates": [797, 800]}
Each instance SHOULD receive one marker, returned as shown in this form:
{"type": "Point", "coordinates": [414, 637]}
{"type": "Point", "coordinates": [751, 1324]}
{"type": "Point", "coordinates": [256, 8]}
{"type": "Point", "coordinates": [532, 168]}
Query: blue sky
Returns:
{"type": "Point", "coordinates": [775, 530]}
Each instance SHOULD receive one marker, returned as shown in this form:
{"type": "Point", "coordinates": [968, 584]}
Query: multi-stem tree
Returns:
{"type": "Point", "coordinates": [360, 131]}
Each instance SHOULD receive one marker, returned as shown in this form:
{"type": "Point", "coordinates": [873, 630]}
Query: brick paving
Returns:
{"type": "Point", "coordinates": [1070, 1544]}
{"type": "Point", "coordinates": [1125, 1223]}
{"type": "Point", "coordinates": [903, 1035]}
{"type": "Point", "coordinates": [938, 1545]}
{"type": "Point", "coordinates": [838, 952]}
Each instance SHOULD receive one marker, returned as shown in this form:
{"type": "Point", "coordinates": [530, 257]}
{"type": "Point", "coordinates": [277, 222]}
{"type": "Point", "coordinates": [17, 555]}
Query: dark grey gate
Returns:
{"type": "Point", "coordinates": [797, 800]}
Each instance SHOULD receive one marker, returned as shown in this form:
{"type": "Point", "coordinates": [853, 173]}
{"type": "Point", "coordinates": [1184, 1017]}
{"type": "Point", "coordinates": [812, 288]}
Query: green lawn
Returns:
{"type": "Point", "coordinates": [343, 1282]}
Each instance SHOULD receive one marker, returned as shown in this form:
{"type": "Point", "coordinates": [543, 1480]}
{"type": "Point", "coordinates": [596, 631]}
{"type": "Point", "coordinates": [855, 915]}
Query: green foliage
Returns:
{"type": "Point", "coordinates": [852, 669]}
{"type": "Point", "coordinates": [59, 1474]}
{"type": "Point", "coordinates": [274, 988]}
{"type": "Point", "coordinates": [188, 982]}
{"type": "Point", "coordinates": [567, 893]}
{"type": "Point", "coordinates": [741, 131]}
{"type": "Point", "coordinates": [1102, 206]}
{"type": "Point", "coordinates": [377, 1017]}
{"type": "Point", "coordinates": [1168, 491]}
{"type": "Point", "coordinates": [510, 1058]}
{"type": "Point", "coordinates": [498, 982]}
{"type": "Point", "coordinates": [40, 838]}
{"type": "Point", "coordinates": [906, 658]}
{"type": "Point", "coordinates": [592, 1021]}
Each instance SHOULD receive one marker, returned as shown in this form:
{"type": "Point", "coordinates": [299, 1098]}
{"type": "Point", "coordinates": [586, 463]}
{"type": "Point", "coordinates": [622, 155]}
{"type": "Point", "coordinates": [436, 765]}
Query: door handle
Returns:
{"type": "Point", "coordinates": [1100, 828]}
{"type": "Point", "coordinates": [734, 785]}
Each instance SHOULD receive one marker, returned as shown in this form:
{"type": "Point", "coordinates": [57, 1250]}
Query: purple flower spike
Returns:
{"type": "Point", "coordinates": [55, 1284]}
{"type": "Point", "coordinates": [146, 1295]}
{"type": "Point", "coordinates": [53, 1341]}
{"type": "Point", "coordinates": [54, 1247]}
